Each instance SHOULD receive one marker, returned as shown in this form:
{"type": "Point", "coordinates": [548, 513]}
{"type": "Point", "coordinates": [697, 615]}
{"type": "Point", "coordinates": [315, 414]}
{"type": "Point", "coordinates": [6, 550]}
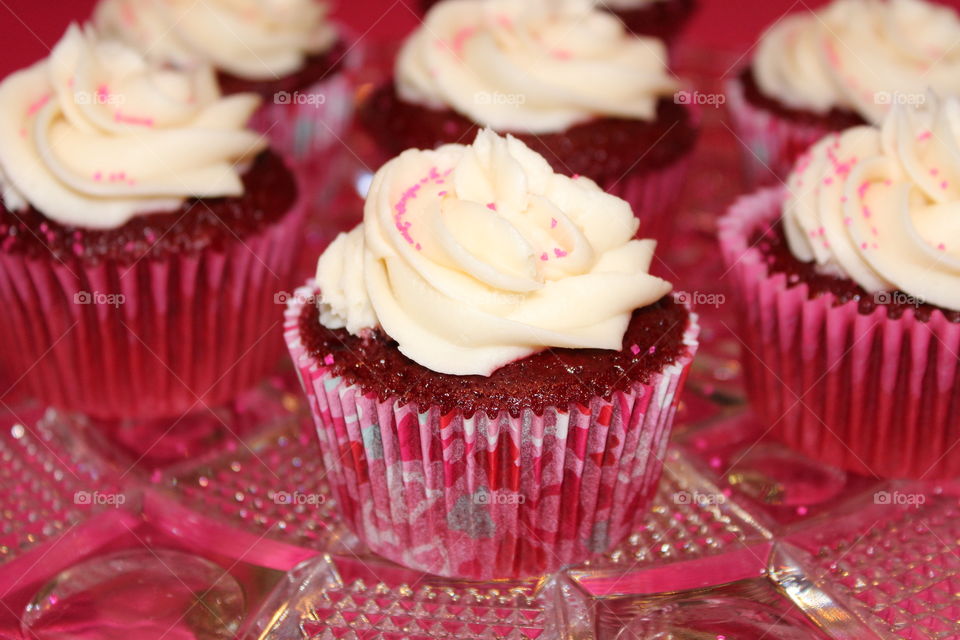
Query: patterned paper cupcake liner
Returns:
{"type": "Point", "coordinates": [866, 392]}
{"type": "Point", "coordinates": [654, 196]}
{"type": "Point", "coordinates": [153, 339]}
{"type": "Point", "coordinates": [482, 497]}
{"type": "Point", "coordinates": [771, 142]}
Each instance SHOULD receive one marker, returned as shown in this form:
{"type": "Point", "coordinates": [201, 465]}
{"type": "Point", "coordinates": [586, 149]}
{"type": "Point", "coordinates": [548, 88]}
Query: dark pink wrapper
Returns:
{"type": "Point", "coordinates": [155, 339]}
{"type": "Point", "coordinates": [866, 392]}
{"type": "Point", "coordinates": [485, 498]}
{"type": "Point", "coordinates": [771, 142]}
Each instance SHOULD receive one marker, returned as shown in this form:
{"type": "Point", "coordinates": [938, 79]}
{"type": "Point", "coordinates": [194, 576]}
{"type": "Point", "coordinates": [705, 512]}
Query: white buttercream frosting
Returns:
{"type": "Point", "coordinates": [881, 206]}
{"type": "Point", "coordinates": [533, 66]}
{"type": "Point", "coordinates": [93, 135]}
{"type": "Point", "coordinates": [860, 55]}
{"type": "Point", "coordinates": [250, 39]}
{"type": "Point", "coordinates": [471, 257]}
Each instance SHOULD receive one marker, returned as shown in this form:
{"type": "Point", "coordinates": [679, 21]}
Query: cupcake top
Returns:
{"type": "Point", "coordinates": [471, 257]}
{"type": "Point", "coordinates": [250, 39]}
{"type": "Point", "coordinates": [881, 206]}
{"type": "Point", "coordinates": [861, 56]}
{"type": "Point", "coordinates": [94, 136]}
{"type": "Point", "coordinates": [536, 66]}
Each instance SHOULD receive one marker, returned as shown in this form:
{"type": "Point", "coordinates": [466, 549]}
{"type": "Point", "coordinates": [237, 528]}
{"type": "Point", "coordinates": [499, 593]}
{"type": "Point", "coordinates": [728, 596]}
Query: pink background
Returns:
{"type": "Point", "coordinates": [30, 27]}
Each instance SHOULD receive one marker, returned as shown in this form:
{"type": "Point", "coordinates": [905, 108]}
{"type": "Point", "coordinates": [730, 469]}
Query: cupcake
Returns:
{"type": "Point", "coordinates": [564, 77]}
{"type": "Point", "coordinates": [850, 284]}
{"type": "Point", "coordinates": [842, 66]}
{"type": "Point", "coordinates": [144, 232]}
{"type": "Point", "coordinates": [663, 19]}
{"type": "Point", "coordinates": [493, 372]}
{"type": "Point", "coordinates": [288, 52]}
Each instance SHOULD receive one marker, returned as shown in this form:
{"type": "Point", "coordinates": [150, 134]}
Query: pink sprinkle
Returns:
{"type": "Point", "coordinates": [801, 510]}
{"type": "Point", "coordinates": [925, 135]}
{"type": "Point", "coordinates": [576, 175]}
{"type": "Point", "coordinates": [866, 212]}
{"type": "Point", "coordinates": [944, 184]}
{"type": "Point", "coordinates": [862, 189]}
{"type": "Point", "coordinates": [828, 181]}
{"type": "Point", "coordinates": [98, 176]}
{"type": "Point", "coordinates": [504, 21]}
{"type": "Point", "coordinates": [442, 193]}
{"type": "Point", "coordinates": [843, 198]}
{"type": "Point", "coordinates": [875, 245]}
{"type": "Point", "coordinates": [553, 223]}
{"type": "Point", "coordinates": [39, 104]}
{"type": "Point", "coordinates": [863, 245]}
{"type": "Point", "coordinates": [934, 172]}
{"type": "Point", "coordinates": [544, 256]}
{"type": "Point", "coordinates": [942, 247]}
{"type": "Point", "coordinates": [418, 247]}
{"type": "Point", "coordinates": [328, 359]}
{"type": "Point", "coordinates": [652, 350]}
{"type": "Point", "coordinates": [560, 253]}
{"type": "Point", "coordinates": [460, 38]}
{"type": "Point", "coordinates": [635, 349]}
{"type": "Point", "coordinates": [848, 221]}
{"type": "Point", "coordinates": [103, 93]}
{"type": "Point", "coordinates": [888, 182]}
{"type": "Point", "coordinates": [492, 206]}
{"type": "Point", "coordinates": [143, 122]}
{"type": "Point", "coordinates": [561, 54]}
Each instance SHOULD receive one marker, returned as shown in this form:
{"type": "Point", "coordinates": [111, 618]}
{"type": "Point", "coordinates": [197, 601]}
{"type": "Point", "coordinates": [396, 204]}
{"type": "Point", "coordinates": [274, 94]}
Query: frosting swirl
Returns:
{"type": "Point", "coordinates": [94, 136]}
{"type": "Point", "coordinates": [860, 55]}
{"type": "Point", "coordinates": [531, 67]}
{"type": "Point", "coordinates": [882, 206]}
{"type": "Point", "coordinates": [471, 257]}
{"type": "Point", "coordinates": [250, 39]}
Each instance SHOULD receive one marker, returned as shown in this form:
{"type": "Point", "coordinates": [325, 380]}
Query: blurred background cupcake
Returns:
{"type": "Point", "coordinates": [492, 369]}
{"type": "Point", "coordinates": [843, 65]}
{"type": "Point", "coordinates": [145, 232]}
{"type": "Point", "coordinates": [663, 19]}
{"type": "Point", "coordinates": [849, 280]}
{"type": "Point", "coordinates": [566, 78]}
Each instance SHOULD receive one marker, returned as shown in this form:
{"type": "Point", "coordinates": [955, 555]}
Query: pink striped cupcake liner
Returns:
{"type": "Point", "coordinates": [489, 497]}
{"type": "Point", "coordinates": [157, 338]}
{"type": "Point", "coordinates": [771, 143]}
{"type": "Point", "coordinates": [866, 392]}
{"type": "Point", "coordinates": [654, 196]}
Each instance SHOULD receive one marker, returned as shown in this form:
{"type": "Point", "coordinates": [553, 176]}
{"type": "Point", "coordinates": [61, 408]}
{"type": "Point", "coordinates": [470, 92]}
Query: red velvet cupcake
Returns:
{"type": "Point", "coordinates": [492, 370]}
{"type": "Point", "coordinates": [663, 19]}
{"type": "Point", "coordinates": [144, 233]}
{"type": "Point", "coordinates": [850, 284]}
{"type": "Point", "coordinates": [844, 65]}
{"type": "Point", "coordinates": [567, 79]}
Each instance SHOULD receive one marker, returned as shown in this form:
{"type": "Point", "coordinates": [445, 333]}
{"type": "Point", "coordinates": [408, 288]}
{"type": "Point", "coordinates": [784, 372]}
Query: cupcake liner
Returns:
{"type": "Point", "coordinates": [772, 143]}
{"type": "Point", "coordinates": [866, 392]}
{"type": "Point", "coordinates": [154, 339]}
{"type": "Point", "coordinates": [654, 196]}
{"type": "Point", "coordinates": [482, 497]}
